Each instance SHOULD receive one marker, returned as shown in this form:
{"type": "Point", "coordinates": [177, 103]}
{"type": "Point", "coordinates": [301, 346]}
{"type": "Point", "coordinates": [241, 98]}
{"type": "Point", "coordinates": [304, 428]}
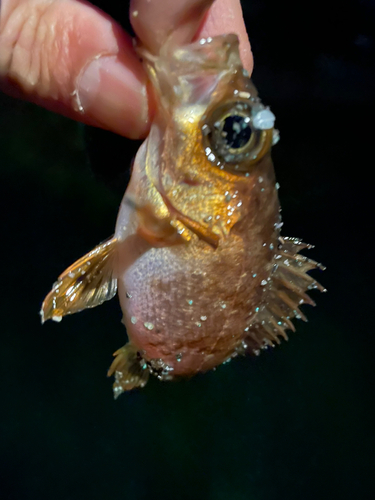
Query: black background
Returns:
{"type": "Point", "coordinates": [295, 423]}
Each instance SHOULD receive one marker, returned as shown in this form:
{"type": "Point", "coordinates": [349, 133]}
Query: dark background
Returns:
{"type": "Point", "coordinates": [295, 423]}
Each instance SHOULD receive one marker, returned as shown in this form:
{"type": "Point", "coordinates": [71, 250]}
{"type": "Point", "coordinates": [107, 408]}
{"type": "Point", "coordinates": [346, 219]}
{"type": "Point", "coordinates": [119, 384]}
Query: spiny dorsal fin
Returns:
{"type": "Point", "coordinates": [87, 283]}
{"type": "Point", "coordinates": [286, 293]}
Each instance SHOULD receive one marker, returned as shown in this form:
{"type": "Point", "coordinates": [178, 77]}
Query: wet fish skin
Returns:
{"type": "Point", "coordinates": [201, 269]}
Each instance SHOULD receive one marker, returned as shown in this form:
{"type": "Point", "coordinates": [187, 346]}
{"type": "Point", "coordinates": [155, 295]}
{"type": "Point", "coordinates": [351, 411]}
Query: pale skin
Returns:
{"type": "Point", "coordinates": [72, 58]}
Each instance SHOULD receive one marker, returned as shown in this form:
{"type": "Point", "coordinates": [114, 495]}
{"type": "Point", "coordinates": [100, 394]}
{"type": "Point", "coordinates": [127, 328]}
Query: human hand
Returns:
{"type": "Point", "coordinates": [71, 58]}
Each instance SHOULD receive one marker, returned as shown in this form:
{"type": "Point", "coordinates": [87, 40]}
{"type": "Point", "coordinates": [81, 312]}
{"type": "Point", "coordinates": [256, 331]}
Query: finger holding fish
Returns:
{"type": "Point", "coordinates": [201, 269]}
{"type": "Point", "coordinates": [154, 21]}
{"type": "Point", "coordinates": [72, 58]}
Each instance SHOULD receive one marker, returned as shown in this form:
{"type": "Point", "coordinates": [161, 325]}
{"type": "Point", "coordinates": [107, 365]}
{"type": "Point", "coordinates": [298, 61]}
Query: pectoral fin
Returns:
{"type": "Point", "coordinates": [87, 283]}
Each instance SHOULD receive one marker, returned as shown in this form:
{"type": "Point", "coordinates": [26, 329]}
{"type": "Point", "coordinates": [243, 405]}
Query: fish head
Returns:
{"type": "Point", "coordinates": [210, 138]}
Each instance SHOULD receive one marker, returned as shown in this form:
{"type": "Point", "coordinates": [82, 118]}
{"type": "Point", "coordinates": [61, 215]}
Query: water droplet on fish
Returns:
{"type": "Point", "coordinates": [264, 119]}
{"type": "Point", "coordinates": [275, 137]}
{"type": "Point", "coordinates": [128, 295]}
{"type": "Point", "coordinates": [148, 325]}
{"type": "Point", "coordinates": [178, 357]}
{"type": "Point", "coordinates": [206, 129]}
{"type": "Point", "coordinates": [57, 318]}
{"type": "Point", "coordinates": [260, 179]}
{"type": "Point", "coordinates": [203, 318]}
{"type": "Point", "coordinates": [277, 185]}
{"type": "Point", "coordinates": [190, 302]}
{"type": "Point", "coordinates": [244, 95]}
{"type": "Point", "coordinates": [117, 391]}
{"type": "Point", "coordinates": [133, 319]}
{"type": "Point", "coordinates": [254, 275]}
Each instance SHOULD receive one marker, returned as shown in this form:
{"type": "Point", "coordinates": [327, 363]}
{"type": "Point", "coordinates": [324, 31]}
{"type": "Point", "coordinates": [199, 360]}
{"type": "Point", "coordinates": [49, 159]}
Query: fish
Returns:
{"type": "Point", "coordinates": [197, 258]}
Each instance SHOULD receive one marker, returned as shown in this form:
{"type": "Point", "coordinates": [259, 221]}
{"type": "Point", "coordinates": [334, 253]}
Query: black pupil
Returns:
{"type": "Point", "coordinates": [236, 131]}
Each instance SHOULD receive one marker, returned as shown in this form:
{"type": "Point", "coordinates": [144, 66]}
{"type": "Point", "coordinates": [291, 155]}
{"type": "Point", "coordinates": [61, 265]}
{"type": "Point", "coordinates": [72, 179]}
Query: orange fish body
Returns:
{"type": "Point", "coordinates": [201, 270]}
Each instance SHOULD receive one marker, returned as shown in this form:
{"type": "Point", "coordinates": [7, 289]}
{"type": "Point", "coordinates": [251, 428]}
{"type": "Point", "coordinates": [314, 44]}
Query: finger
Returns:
{"type": "Point", "coordinates": [225, 16]}
{"type": "Point", "coordinates": [71, 58]}
{"type": "Point", "coordinates": [155, 21]}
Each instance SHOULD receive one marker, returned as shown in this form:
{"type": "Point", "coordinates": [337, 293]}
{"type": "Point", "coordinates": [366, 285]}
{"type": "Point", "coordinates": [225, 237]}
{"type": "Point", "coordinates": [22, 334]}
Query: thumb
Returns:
{"type": "Point", "coordinates": [73, 59]}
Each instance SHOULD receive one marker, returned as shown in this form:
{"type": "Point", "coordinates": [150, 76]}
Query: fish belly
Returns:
{"type": "Point", "coordinates": [188, 306]}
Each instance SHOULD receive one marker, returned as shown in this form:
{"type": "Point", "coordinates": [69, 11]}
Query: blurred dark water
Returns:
{"type": "Point", "coordinates": [295, 423]}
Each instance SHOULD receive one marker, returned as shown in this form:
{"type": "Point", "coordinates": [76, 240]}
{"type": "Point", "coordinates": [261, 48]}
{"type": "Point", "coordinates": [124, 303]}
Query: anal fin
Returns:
{"type": "Point", "coordinates": [129, 369]}
{"type": "Point", "coordinates": [87, 283]}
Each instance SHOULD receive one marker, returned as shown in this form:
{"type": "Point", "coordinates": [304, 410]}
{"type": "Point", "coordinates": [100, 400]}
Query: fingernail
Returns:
{"type": "Point", "coordinates": [114, 95]}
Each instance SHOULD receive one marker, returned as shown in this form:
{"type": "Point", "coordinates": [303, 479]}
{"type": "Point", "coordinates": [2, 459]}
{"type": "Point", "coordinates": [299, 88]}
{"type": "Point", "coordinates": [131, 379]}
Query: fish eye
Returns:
{"type": "Point", "coordinates": [236, 131]}
{"type": "Point", "coordinates": [237, 135]}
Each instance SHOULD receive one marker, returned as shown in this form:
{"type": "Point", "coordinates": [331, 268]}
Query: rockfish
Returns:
{"type": "Point", "coordinates": [201, 270]}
